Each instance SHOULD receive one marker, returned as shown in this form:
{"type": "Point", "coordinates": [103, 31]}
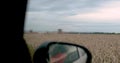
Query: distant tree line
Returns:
{"type": "Point", "coordinates": [90, 33]}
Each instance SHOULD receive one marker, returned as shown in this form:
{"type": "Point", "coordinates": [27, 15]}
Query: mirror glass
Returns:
{"type": "Point", "coordinates": [62, 53]}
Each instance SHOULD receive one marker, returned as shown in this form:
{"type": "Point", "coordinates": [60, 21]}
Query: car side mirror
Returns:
{"type": "Point", "coordinates": [61, 52]}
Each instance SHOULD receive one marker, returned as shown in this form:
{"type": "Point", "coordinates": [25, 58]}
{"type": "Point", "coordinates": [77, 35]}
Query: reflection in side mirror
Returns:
{"type": "Point", "coordinates": [60, 52]}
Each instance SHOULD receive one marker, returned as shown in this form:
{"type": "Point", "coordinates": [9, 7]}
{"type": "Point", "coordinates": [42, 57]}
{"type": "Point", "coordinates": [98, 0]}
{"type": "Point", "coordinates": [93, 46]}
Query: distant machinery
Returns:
{"type": "Point", "coordinates": [60, 31]}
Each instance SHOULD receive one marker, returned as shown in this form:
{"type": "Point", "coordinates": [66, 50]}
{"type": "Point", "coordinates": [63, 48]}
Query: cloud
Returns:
{"type": "Point", "coordinates": [69, 7]}
{"type": "Point", "coordinates": [73, 15]}
{"type": "Point", "coordinates": [107, 12]}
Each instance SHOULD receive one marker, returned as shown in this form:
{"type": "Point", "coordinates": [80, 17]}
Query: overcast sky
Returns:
{"type": "Point", "coordinates": [73, 15]}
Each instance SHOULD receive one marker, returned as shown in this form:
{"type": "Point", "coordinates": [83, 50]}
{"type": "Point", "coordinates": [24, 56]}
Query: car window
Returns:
{"type": "Point", "coordinates": [94, 24]}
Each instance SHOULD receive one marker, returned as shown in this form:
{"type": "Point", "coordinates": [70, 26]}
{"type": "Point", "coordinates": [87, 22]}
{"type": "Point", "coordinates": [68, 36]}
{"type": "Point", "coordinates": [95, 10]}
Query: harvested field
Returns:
{"type": "Point", "coordinates": [105, 48]}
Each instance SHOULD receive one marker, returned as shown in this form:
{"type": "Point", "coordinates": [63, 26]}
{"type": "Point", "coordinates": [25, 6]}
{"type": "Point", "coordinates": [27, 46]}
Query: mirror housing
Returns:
{"type": "Point", "coordinates": [73, 53]}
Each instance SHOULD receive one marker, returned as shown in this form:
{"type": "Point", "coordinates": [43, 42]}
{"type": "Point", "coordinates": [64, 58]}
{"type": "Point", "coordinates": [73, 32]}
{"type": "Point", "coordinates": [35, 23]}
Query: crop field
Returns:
{"type": "Point", "coordinates": [105, 48]}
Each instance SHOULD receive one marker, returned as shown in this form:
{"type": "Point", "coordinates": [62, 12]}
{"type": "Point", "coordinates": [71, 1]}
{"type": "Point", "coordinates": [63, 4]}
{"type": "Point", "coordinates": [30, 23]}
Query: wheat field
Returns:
{"type": "Point", "coordinates": [105, 48]}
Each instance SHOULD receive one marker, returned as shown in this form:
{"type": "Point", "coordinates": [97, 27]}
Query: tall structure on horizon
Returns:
{"type": "Point", "coordinates": [60, 31]}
